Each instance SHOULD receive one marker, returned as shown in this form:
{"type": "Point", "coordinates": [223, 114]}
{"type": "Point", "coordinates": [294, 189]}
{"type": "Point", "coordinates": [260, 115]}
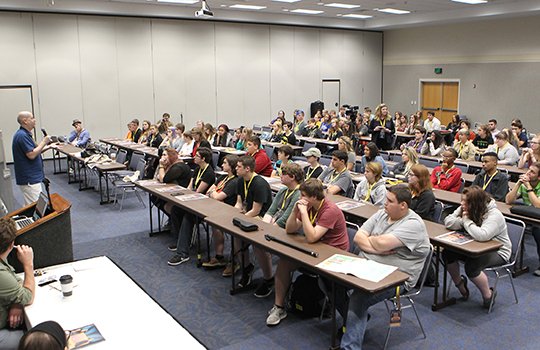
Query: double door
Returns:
{"type": "Point", "coordinates": [441, 97]}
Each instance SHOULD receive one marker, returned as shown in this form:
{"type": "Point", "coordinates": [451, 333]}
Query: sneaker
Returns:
{"type": "Point", "coordinates": [172, 247]}
{"type": "Point", "coordinates": [246, 276]}
{"type": "Point", "coordinates": [214, 263]}
{"type": "Point", "coordinates": [228, 272]}
{"type": "Point", "coordinates": [265, 289]}
{"type": "Point", "coordinates": [177, 260]}
{"type": "Point", "coordinates": [275, 315]}
{"type": "Point", "coordinates": [537, 272]}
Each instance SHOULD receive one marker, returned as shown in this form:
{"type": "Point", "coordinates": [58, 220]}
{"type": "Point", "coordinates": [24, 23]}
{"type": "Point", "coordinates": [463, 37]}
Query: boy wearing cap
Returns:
{"type": "Point", "coordinates": [314, 169]}
{"type": "Point", "coordinates": [79, 137]}
{"type": "Point", "coordinates": [14, 293]}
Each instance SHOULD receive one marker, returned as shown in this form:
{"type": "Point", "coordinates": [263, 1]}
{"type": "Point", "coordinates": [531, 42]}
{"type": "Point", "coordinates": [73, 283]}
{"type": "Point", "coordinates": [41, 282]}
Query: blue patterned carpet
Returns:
{"type": "Point", "coordinates": [201, 302]}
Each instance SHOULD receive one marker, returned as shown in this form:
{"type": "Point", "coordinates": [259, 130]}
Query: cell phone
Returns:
{"type": "Point", "coordinates": [44, 132]}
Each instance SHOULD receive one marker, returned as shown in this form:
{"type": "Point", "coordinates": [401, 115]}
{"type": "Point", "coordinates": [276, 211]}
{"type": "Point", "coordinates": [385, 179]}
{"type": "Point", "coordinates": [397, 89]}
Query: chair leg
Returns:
{"type": "Point", "coordinates": [123, 196]}
{"type": "Point", "coordinates": [417, 317]}
{"type": "Point", "coordinates": [140, 199]}
{"type": "Point", "coordinates": [387, 338]}
{"type": "Point", "coordinates": [494, 290]}
{"type": "Point", "coordinates": [512, 283]}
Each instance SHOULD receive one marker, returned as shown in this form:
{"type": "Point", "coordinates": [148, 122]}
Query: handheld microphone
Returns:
{"type": "Point", "coordinates": [44, 132]}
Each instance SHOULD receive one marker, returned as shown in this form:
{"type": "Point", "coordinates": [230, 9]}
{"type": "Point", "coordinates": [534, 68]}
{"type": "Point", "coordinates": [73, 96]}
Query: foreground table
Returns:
{"type": "Point", "coordinates": [104, 295]}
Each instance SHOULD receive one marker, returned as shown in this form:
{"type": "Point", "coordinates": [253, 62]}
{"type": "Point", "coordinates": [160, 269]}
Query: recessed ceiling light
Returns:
{"type": "Point", "coordinates": [471, 2]}
{"type": "Point", "coordinates": [352, 15]}
{"type": "Point", "coordinates": [343, 6]}
{"type": "Point", "coordinates": [247, 7]}
{"type": "Point", "coordinates": [307, 12]}
{"type": "Point", "coordinates": [185, 2]}
{"type": "Point", "coordinates": [290, 1]}
{"type": "Point", "coordinates": [393, 11]}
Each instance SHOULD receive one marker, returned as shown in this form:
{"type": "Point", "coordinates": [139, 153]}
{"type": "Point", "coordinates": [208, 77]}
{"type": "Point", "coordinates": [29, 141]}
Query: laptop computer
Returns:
{"type": "Point", "coordinates": [41, 208]}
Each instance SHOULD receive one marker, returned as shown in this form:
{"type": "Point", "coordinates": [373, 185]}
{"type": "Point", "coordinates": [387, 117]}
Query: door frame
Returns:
{"type": "Point", "coordinates": [339, 90]}
{"type": "Point", "coordinates": [437, 80]}
{"type": "Point", "coordinates": [23, 86]}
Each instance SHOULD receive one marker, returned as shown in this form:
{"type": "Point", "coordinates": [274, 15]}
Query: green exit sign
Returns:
{"type": "Point", "coordinates": [438, 70]}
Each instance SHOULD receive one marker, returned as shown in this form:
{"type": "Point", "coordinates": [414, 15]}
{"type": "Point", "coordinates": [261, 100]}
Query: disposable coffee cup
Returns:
{"type": "Point", "coordinates": [66, 281]}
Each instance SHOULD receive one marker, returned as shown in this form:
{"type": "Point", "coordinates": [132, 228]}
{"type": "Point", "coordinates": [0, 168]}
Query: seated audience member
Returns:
{"type": "Point", "coordinates": [178, 140]}
{"type": "Point", "coordinates": [222, 138]}
{"type": "Point", "coordinates": [134, 133]}
{"type": "Point", "coordinates": [288, 136]}
{"type": "Point", "coordinates": [14, 292]}
{"type": "Point", "coordinates": [530, 155]}
{"type": "Point", "coordinates": [247, 133]}
{"type": "Point", "coordinates": [253, 199]}
{"type": "Point", "coordinates": [345, 144]}
{"type": "Point", "coordinates": [334, 132]}
{"type": "Point", "coordinates": [483, 137]}
{"type": "Point", "coordinates": [423, 199]}
{"type": "Point", "coordinates": [278, 213]}
{"type": "Point", "coordinates": [479, 217]}
{"type": "Point", "coordinates": [314, 169]}
{"type": "Point", "coordinates": [419, 139]}
{"type": "Point", "coordinates": [277, 132]}
{"type": "Point", "coordinates": [199, 140]}
{"type": "Point", "coordinates": [324, 124]}
{"type": "Point", "coordinates": [372, 187]}
{"type": "Point", "coordinates": [414, 121]}
{"type": "Point", "coordinates": [225, 190]}
{"type": "Point", "coordinates": [490, 179]}
{"type": "Point", "coordinates": [166, 120]}
{"type": "Point", "coordinates": [465, 124]}
{"type": "Point", "coordinates": [209, 133]}
{"type": "Point", "coordinates": [263, 164]}
{"type": "Point", "coordinates": [454, 125]}
{"type": "Point", "coordinates": [336, 177]}
{"type": "Point", "coordinates": [285, 154]}
{"type": "Point", "coordinates": [171, 170]}
{"type": "Point", "coordinates": [280, 116]}
{"type": "Point", "coordinates": [299, 123]}
{"type": "Point", "coordinates": [154, 138]}
{"type": "Point", "coordinates": [371, 154]}
{"type": "Point", "coordinates": [382, 128]}
{"type": "Point", "coordinates": [187, 147]}
{"type": "Point", "coordinates": [144, 132]}
{"type": "Point", "coordinates": [235, 139]}
{"type": "Point", "coordinates": [80, 137]}
{"type": "Point", "coordinates": [168, 140]}
{"type": "Point", "coordinates": [312, 130]}
{"type": "Point", "coordinates": [447, 176]}
{"type": "Point", "coordinates": [395, 236]}
{"type": "Point", "coordinates": [434, 145]}
{"type": "Point", "coordinates": [362, 125]}
{"type": "Point", "coordinates": [506, 153]}
{"type": "Point", "coordinates": [520, 133]}
{"type": "Point", "coordinates": [48, 335]}
{"type": "Point", "coordinates": [401, 122]}
{"type": "Point", "coordinates": [409, 157]}
{"type": "Point", "coordinates": [528, 189]}
{"type": "Point", "coordinates": [432, 123]}
{"type": "Point", "coordinates": [512, 138]}
{"type": "Point", "coordinates": [203, 178]}
{"type": "Point", "coordinates": [492, 123]}
{"type": "Point", "coordinates": [321, 220]}
{"type": "Point", "coordinates": [463, 146]}
{"type": "Point", "coordinates": [163, 130]}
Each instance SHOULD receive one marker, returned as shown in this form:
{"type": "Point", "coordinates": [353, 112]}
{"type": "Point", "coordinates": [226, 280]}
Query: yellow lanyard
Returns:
{"type": "Point", "coordinates": [199, 175]}
{"type": "Point", "coordinates": [490, 178]}
{"type": "Point", "coordinates": [368, 194]}
{"type": "Point", "coordinates": [221, 185]}
{"type": "Point", "coordinates": [287, 195]}
{"type": "Point", "coordinates": [445, 173]}
{"type": "Point", "coordinates": [333, 178]}
{"type": "Point", "coordinates": [312, 216]}
{"type": "Point", "coordinates": [246, 188]}
{"type": "Point", "coordinates": [460, 149]}
{"type": "Point", "coordinates": [382, 122]}
{"type": "Point", "coordinates": [308, 175]}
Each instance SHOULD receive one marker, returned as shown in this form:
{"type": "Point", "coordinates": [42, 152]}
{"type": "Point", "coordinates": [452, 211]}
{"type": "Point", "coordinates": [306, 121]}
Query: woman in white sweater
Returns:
{"type": "Point", "coordinates": [479, 217]}
{"type": "Point", "coordinates": [372, 188]}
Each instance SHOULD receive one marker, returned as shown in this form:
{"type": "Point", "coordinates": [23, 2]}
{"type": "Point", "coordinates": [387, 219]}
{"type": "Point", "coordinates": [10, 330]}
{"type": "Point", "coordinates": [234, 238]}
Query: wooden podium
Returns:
{"type": "Point", "coordinates": [49, 237]}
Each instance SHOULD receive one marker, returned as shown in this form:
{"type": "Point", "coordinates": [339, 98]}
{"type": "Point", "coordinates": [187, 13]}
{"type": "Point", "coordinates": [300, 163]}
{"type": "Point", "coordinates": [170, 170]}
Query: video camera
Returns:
{"type": "Point", "coordinates": [351, 111]}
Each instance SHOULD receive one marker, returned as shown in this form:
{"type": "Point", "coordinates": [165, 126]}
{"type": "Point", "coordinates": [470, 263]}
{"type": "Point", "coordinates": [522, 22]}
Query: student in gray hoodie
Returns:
{"type": "Point", "coordinates": [479, 217]}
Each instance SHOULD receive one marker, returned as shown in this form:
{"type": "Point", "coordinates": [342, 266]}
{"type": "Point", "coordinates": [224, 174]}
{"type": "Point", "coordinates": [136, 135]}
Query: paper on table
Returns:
{"type": "Point", "coordinates": [362, 268]}
{"type": "Point", "coordinates": [190, 197]}
{"type": "Point", "coordinates": [456, 237]}
{"type": "Point", "coordinates": [348, 205]}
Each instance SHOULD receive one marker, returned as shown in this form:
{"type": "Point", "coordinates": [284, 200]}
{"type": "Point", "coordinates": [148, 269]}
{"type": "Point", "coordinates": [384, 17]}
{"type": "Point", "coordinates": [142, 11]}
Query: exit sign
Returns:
{"type": "Point", "coordinates": [438, 70]}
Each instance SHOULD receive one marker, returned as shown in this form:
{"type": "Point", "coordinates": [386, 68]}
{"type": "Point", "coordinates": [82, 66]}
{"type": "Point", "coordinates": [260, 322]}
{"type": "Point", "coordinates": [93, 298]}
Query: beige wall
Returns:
{"type": "Point", "coordinates": [496, 61]}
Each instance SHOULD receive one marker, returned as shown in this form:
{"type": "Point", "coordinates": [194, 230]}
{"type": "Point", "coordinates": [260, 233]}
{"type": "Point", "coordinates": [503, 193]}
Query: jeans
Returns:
{"type": "Point", "coordinates": [185, 234]}
{"type": "Point", "coordinates": [9, 339]}
{"type": "Point", "coordinates": [357, 316]}
{"type": "Point", "coordinates": [536, 236]}
{"type": "Point", "coordinates": [176, 219]}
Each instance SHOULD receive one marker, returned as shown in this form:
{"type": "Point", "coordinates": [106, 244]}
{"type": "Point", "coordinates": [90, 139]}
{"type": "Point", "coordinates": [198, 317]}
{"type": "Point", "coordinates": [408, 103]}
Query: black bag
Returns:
{"type": "Point", "coordinates": [245, 225]}
{"type": "Point", "coordinates": [526, 210]}
{"type": "Point", "coordinates": [316, 106]}
{"type": "Point", "coordinates": [306, 298]}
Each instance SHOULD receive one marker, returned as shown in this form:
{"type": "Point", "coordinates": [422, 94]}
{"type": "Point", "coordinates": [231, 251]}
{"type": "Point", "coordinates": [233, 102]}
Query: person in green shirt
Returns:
{"type": "Point", "coordinates": [14, 293]}
{"type": "Point", "coordinates": [528, 189]}
{"type": "Point", "coordinates": [292, 176]}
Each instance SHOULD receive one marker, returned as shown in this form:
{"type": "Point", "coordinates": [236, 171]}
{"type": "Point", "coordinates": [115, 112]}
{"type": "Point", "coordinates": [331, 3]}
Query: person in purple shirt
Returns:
{"type": "Point", "coordinates": [27, 158]}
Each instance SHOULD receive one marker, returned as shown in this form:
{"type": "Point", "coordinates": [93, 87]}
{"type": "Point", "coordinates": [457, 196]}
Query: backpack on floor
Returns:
{"type": "Point", "coordinates": [306, 297]}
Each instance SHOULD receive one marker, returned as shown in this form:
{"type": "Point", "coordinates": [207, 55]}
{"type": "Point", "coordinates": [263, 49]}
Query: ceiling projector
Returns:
{"type": "Point", "coordinates": [204, 12]}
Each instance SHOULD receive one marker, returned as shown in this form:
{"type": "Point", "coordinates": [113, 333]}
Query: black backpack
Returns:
{"type": "Point", "coordinates": [306, 297]}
